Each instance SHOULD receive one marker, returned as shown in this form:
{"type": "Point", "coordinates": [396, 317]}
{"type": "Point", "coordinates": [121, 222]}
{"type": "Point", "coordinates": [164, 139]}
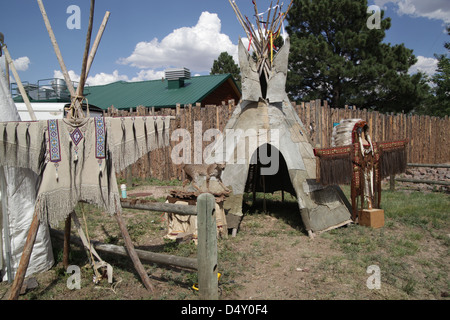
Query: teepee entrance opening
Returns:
{"type": "Point", "coordinates": [259, 181]}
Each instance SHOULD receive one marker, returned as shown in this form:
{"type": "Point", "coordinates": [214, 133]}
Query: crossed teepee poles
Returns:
{"type": "Point", "coordinates": [269, 26]}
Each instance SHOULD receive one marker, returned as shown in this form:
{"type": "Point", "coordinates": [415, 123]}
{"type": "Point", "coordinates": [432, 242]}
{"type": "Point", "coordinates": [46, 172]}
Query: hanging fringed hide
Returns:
{"type": "Point", "coordinates": [334, 165]}
{"type": "Point", "coordinates": [77, 162]}
{"type": "Point", "coordinates": [393, 157]}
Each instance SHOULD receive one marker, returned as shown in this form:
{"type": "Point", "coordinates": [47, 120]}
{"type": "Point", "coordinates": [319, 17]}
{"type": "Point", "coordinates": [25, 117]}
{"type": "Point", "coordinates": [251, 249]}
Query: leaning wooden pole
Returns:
{"type": "Point", "coordinates": [66, 251]}
{"type": "Point", "coordinates": [132, 253]}
{"type": "Point", "coordinates": [97, 42]}
{"type": "Point", "coordinates": [10, 62]}
{"type": "Point", "coordinates": [25, 258]}
{"type": "Point", "coordinates": [83, 76]}
{"type": "Point", "coordinates": [57, 50]}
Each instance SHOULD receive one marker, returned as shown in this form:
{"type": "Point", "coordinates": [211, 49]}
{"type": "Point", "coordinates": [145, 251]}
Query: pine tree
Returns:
{"type": "Point", "coordinates": [225, 64]}
{"type": "Point", "coordinates": [335, 56]}
{"type": "Point", "coordinates": [441, 79]}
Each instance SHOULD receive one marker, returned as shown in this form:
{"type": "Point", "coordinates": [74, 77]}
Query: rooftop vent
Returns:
{"type": "Point", "coordinates": [176, 77]}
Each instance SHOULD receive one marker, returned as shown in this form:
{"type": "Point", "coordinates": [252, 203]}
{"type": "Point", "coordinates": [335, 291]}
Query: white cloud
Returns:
{"type": "Point", "coordinates": [72, 75]}
{"type": "Point", "coordinates": [436, 9]}
{"type": "Point", "coordinates": [106, 78]}
{"type": "Point", "coordinates": [424, 64]}
{"type": "Point", "coordinates": [22, 63]}
{"type": "Point", "coordinates": [195, 47]}
{"type": "Point", "coordinates": [144, 75]}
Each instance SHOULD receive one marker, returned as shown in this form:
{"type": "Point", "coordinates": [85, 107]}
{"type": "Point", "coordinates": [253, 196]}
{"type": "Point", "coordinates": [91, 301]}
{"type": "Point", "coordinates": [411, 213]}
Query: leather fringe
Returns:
{"type": "Point", "coordinates": [393, 162]}
{"type": "Point", "coordinates": [335, 170]}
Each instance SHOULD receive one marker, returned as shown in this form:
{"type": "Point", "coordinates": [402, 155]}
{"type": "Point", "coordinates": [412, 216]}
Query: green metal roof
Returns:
{"type": "Point", "coordinates": [154, 93]}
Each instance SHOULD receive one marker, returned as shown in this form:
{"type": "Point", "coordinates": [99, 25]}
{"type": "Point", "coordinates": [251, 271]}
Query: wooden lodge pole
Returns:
{"type": "Point", "coordinates": [56, 48]}
{"type": "Point", "coordinates": [83, 75]}
{"type": "Point", "coordinates": [97, 42]}
{"type": "Point", "coordinates": [132, 253]}
{"type": "Point", "coordinates": [9, 62]}
{"type": "Point", "coordinates": [25, 258]}
{"type": "Point", "coordinates": [66, 250]}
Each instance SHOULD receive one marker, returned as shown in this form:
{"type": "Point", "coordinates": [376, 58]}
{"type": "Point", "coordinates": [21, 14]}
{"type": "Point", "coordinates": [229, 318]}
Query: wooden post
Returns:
{"type": "Point", "coordinates": [132, 253]}
{"type": "Point", "coordinates": [207, 247]}
{"type": "Point", "coordinates": [66, 251]}
{"type": "Point", "coordinates": [264, 198]}
{"type": "Point", "coordinates": [129, 176]}
{"type": "Point", "coordinates": [10, 62]}
{"type": "Point", "coordinates": [392, 182]}
{"type": "Point", "coordinates": [25, 258]}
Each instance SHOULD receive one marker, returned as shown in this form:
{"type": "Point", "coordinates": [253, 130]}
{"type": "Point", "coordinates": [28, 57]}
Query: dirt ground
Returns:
{"type": "Point", "coordinates": [272, 258]}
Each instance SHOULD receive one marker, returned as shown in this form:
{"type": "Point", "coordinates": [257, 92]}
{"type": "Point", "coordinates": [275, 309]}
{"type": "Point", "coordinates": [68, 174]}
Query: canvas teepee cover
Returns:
{"type": "Point", "coordinates": [266, 126]}
{"type": "Point", "coordinates": [18, 195]}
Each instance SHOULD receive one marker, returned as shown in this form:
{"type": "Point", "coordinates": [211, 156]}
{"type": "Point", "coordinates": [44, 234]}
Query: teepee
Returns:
{"type": "Point", "coordinates": [17, 197]}
{"type": "Point", "coordinates": [265, 144]}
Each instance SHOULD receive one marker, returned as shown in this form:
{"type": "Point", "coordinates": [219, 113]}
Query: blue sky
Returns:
{"type": "Point", "coordinates": [144, 37]}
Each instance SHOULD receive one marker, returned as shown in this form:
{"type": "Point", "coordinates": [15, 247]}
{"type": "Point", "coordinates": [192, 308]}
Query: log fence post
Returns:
{"type": "Point", "coordinates": [207, 247]}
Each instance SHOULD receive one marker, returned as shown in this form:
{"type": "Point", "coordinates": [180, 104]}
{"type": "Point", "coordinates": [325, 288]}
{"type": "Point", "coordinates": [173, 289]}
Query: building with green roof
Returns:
{"type": "Point", "coordinates": [165, 93]}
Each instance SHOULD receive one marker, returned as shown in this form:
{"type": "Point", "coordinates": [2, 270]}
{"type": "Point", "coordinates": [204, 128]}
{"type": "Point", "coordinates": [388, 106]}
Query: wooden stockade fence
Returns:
{"type": "Point", "coordinates": [429, 137]}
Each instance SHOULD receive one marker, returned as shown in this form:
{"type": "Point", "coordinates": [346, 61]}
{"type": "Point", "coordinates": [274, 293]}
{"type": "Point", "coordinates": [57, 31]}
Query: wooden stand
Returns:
{"type": "Point", "coordinates": [373, 218]}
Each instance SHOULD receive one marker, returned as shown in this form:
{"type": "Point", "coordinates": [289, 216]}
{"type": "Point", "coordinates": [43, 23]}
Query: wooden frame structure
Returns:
{"type": "Point", "coordinates": [75, 115]}
{"type": "Point", "coordinates": [206, 262]}
{"type": "Point", "coordinates": [262, 38]}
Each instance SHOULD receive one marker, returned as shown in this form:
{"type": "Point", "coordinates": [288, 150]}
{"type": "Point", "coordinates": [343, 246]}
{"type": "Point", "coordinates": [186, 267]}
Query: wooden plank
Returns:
{"type": "Point", "coordinates": [160, 207]}
{"type": "Point", "coordinates": [207, 247]}
{"type": "Point", "coordinates": [308, 119]}
{"type": "Point", "coordinates": [326, 122]}
{"type": "Point", "coordinates": [323, 123]}
{"type": "Point", "coordinates": [443, 183]}
{"type": "Point", "coordinates": [411, 156]}
{"type": "Point", "coordinates": [428, 165]}
{"type": "Point", "coordinates": [421, 139]}
{"type": "Point", "coordinates": [408, 136]}
{"type": "Point", "coordinates": [318, 127]}
{"type": "Point", "coordinates": [146, 256]}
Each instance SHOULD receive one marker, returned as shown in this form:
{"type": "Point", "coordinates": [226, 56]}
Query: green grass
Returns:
{"type": "Point", "coordinates": [410, 218]}
{"type": "Point", "coordinates": [137, 182]}
{"type": "Point", "coordinates": [426, 210]}
{"type": "Point", "coordinates": [415, 224]}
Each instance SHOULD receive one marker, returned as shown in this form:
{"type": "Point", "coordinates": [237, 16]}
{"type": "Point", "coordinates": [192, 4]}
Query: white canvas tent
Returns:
{"type": "Point", "coordinates": [18, 195]}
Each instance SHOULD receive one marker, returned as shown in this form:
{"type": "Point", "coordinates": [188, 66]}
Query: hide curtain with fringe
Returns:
{"type": "Point", "coordinates": [78, 162]}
